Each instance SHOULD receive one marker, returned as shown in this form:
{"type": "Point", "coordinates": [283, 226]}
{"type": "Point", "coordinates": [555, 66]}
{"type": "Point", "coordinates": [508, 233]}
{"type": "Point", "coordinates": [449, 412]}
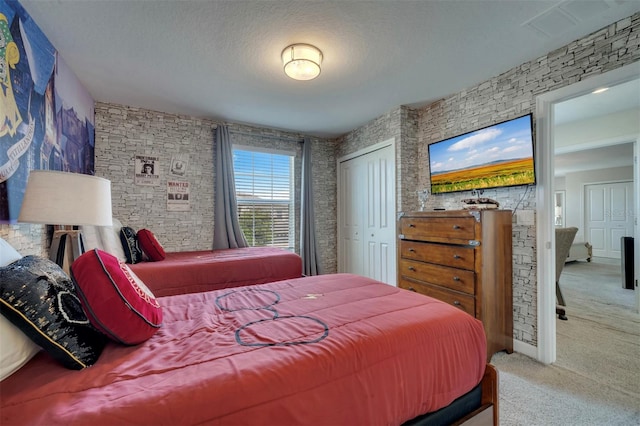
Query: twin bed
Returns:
{"type": "Point", "coordinates": [206, 270]}
{"type": "Point", "coordinates": [197, 271]}
{"type": "Point", "coordinates": [323, 350]}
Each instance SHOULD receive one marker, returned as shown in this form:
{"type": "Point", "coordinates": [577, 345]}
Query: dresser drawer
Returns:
{"type": "Point", "coordinates": [455, 279]}
{"type": "Point", "coordinates": [447, 255]}
{"type": "Point", "coordinates": [424, 229]}
{"type": "Point", "coordinates": [459, 300]}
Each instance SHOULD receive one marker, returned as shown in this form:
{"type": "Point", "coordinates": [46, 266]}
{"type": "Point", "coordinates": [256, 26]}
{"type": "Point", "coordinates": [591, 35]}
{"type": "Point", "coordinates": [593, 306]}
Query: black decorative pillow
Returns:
{"type": "Point", "coordinates": [132, 250]}
{"type": "Point", "coordinates": [40, 299]}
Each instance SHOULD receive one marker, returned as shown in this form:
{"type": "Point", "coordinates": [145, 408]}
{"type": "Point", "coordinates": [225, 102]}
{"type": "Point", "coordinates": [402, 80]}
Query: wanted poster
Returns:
{"type": "Point", "coordinates": [178, 196]}
{"type": "Point", "coordinates": [147, 170]}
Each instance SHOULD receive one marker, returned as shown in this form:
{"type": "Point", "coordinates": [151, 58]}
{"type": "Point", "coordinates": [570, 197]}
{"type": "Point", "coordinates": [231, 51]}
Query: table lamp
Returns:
{"type": "Point", "coordinates": [65, 200]}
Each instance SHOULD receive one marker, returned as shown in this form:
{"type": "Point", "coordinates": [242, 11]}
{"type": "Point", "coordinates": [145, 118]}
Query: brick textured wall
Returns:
{"type": "Point", "coordinates": [123, 132]}
{"type": "Point", "coordinates": [26, 239]}
{"type": "Point", "coordinates": [401, 125]}
{"type": "Point", "coordinates": [509, 95]}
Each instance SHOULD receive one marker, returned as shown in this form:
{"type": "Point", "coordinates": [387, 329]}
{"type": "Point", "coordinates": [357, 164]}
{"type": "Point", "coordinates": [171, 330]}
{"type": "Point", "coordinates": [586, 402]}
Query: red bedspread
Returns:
{"type": "Point", "coordinates": [328, 350]}
{"type": "Point", "coordinates": [197, 271]}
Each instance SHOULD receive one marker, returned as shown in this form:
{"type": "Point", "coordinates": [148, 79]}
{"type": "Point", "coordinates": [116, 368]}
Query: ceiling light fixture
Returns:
{"type": "Point", "coordinates": [302, 61]}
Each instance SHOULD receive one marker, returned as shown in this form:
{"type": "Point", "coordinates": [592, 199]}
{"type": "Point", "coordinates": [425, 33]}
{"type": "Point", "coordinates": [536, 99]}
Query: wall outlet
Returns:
{"type": "Point", "coordinates": [526, 217]}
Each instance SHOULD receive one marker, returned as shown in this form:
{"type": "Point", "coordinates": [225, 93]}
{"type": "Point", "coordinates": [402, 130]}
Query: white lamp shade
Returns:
{"type": "Point", "coordinates": [302, 61]}
{"type": "Point", "coordinates": [60, 198]}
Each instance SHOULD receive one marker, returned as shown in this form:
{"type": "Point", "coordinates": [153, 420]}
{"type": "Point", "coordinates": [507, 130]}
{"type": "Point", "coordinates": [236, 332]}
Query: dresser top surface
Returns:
{"type": "Point", "coordinates": [452, 213]}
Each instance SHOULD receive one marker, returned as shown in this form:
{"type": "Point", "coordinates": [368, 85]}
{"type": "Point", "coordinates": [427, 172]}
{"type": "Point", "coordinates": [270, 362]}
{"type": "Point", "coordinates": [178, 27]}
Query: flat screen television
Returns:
{"type": "Point", "coordinates": [495, 156]}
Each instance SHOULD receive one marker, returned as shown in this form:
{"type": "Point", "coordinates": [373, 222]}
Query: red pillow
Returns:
{"type": "Point", "coordinates": [150, 245]}
{"type": "Point", "coordinates": [114, 299]}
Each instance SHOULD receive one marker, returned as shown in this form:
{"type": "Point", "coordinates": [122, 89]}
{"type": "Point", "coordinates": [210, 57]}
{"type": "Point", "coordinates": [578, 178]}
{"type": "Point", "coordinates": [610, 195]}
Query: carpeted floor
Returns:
{"type": "Point", "coordinates": [596, 378]}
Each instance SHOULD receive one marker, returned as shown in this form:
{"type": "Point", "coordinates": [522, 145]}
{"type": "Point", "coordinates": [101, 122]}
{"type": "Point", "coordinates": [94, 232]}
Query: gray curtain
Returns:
{"type": "Point", "coordinates": [308, 246]}
{"type": "Point", "coordinates": [226, 228]}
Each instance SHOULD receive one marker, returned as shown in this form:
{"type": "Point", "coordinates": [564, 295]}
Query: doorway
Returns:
{"type": "Point", "coordinates": [545, 146]}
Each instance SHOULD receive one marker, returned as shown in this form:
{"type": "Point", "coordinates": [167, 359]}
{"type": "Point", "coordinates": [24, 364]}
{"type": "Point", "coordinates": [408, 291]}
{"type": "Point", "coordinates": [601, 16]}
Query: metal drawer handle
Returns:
{"type": "Point", "coordinates": [411, 225]}
{"type": "Point", "coordinates": [456, 226]}
{"type": "Point", "coordinates": [456, 278]}
{"type": "Point", "coordinates": [456, 256]}
{"type": "Point", "coordinates": [455, 302]}
{"type": "Point", "coordinates": [411, 268]}
{"type": "Point", "coordinates": [412, 289]}
{"type": "Point", "coordinates": [412, 250]}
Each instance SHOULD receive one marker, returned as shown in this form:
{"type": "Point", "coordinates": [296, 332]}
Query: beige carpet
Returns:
{"type": "Point", "coordinates": [596, 378]}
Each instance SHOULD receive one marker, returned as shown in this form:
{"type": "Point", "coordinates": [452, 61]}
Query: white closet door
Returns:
{"type": "Point", "coordinates": [609, 216]}
{"type": "Point", "coordinates": [379, 236]}
{"type": "Point", "coordinates": [367, 215]}
{"type": "Point", "coordinates": [351, 256]}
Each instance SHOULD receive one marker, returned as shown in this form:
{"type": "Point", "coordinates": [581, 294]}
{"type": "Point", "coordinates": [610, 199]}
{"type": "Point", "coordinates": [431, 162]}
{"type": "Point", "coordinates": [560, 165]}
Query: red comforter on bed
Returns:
{"type": "Point", "coordinates": [326, 350]}
{"type": "Point", "coordinates": [197, 271]}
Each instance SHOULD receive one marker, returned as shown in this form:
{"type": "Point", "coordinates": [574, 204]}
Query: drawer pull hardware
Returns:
{"type": "Point", "coordinates": [412, 250]}
{"type": "Point", "coordinates": [456, 278]}
{"type": "Point", "coordinates": [411, 225]}
{"type": "Point", "coordinates": [457, 303]}
{"type": "Point", "coordinates": [456, 226]}
{"type": "Point", "coordinates": [456, 256]}
{"type": "Point", "coordinates": [411, 268]}
{"type": "Point", "coordinates": [412, 289]}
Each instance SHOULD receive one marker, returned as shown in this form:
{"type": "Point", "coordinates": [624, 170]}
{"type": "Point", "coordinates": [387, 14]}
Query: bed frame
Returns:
{"type": "Point", "coordinates": [477, 407]}
{"type": "Point", "coordinates": [487, 413]}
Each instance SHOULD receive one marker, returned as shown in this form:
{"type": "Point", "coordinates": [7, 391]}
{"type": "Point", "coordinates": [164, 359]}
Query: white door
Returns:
{"type": "Point", "coordinates": [379, 236]}
{"type": "Point", "coordinates": [609, 216]}
{"type": "Point", "coordinates": [367, 215]}
{"type": "Point", "coordinates": [350, 253]}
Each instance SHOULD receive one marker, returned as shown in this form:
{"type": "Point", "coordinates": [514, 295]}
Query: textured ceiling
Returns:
{"type": "Point", "coordinates": [221, 59]}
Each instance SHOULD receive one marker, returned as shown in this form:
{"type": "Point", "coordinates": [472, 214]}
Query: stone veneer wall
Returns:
{"type": "Point", "coordinates": [400, 124]}
{"type": "Point", "coordinates": [507, 96]}
{"type": "Point", "coordinates": [123, 132]}
{"type": "Point", "coordinates": [25, 238]}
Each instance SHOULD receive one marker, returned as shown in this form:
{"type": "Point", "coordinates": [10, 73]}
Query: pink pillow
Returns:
{"type": "Point", "coordinates": [115, 300]}
{"type": "Point", "coordinates": [150, 245]}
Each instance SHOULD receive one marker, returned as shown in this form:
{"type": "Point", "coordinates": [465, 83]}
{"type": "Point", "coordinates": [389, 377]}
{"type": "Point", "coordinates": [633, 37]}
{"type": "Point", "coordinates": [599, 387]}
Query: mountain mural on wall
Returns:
{"type": "Point", "coordinates": [46, 115]}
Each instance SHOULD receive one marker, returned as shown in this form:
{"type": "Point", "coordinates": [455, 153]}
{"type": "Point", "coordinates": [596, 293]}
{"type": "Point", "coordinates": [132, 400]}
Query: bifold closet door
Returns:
{"type": "Point", "coordinates": [367, 216]}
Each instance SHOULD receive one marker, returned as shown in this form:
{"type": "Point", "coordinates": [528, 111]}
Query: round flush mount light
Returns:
{"type": "Point", "coordinates": [301, 61]}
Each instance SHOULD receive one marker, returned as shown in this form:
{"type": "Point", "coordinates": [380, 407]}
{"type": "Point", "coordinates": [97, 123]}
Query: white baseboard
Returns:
{"type": "Point", "coordinates": [525, 349]}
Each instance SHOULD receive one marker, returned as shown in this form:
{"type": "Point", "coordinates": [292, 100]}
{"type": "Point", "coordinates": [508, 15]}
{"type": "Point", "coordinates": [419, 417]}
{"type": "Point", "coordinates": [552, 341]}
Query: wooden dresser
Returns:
{"type": "Point", "coordinates": [462, 257]}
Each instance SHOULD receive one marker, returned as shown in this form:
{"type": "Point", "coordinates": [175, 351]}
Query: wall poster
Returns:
{"type": "Point", "coordinates": [179, 164]}
{"type": "Point", "coordinates": [147, 170]}
{"type": "Point", "coordinates": [46, 115]}
{"type": "Point", "coordinates": [178, 196]}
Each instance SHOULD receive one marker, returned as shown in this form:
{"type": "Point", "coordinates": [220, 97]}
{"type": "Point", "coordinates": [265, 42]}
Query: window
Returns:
{"type": "Point", "coordinates": [264, 190]}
